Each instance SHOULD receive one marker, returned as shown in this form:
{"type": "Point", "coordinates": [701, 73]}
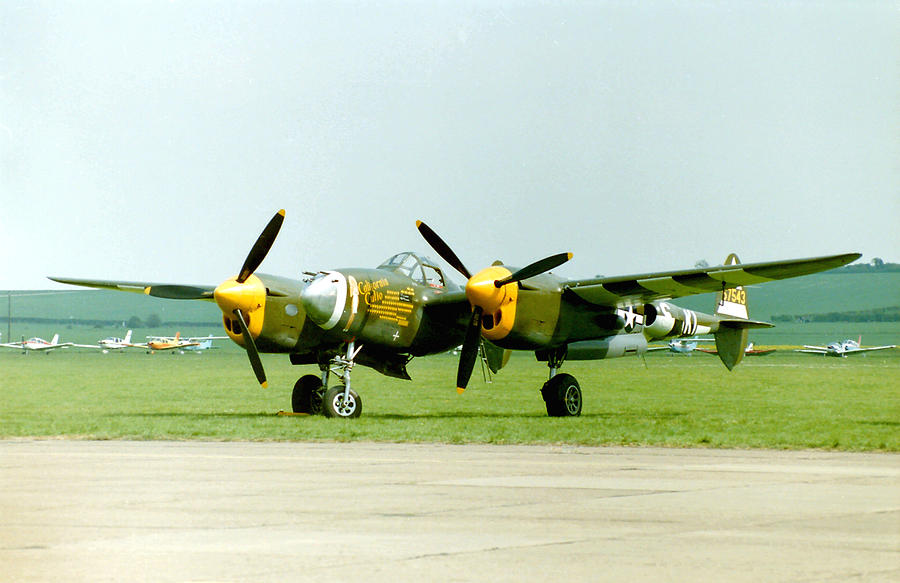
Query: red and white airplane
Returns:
{"type": "Point", "coordinates": [38, 344]}
{"type": "Point", "coordinates": [112, 343]}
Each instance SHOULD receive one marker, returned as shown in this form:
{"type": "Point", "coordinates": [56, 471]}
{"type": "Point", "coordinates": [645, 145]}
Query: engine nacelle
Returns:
{"type": "Point", "coordinates": [664, 320]}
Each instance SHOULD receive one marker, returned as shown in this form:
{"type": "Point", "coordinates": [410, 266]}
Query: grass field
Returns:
{"type": "Point", "coordinates": [780, 401]}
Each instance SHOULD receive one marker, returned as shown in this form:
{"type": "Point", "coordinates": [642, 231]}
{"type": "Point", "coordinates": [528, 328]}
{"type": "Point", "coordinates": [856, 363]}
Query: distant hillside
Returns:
{"type": "Point", "coordinates": [837, 291]}
{"type": "Point", "coordinates": [851, 294]}
{"type": "Point", "coordinates": [874, 266]}
{"type": "Point", "coordinates": [103, 307]}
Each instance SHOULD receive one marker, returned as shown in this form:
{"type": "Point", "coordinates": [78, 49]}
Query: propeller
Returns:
{"type": "Point", "coordinates": [252, 353]}
{"type": "Point", "coordinates": [244, 294]}
{"type": "Point", "coordinates": [482, 291]}
{"type": "Point", "coordinates": [442, 249]}
{"type": "Point", "coordinates": [536, 268]}
{"type": "Point", "coordinates": [469, 351]}
{"type": "Point", "coordinates": [261, 247]}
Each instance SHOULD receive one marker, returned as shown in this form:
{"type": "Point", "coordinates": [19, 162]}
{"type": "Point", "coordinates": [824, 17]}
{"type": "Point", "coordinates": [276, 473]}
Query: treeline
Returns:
{"type": "Point", "coordinates": [877, 265]}
{"type": "Point", "coordinates": [891, 314]}
{"type": "Point", "coordinates": [133, 322]}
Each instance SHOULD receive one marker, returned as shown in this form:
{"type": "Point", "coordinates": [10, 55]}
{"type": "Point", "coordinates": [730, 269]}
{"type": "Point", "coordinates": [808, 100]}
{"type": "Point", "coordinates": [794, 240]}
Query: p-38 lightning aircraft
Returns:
{"type": "Point", "coordinates": [383, 317]}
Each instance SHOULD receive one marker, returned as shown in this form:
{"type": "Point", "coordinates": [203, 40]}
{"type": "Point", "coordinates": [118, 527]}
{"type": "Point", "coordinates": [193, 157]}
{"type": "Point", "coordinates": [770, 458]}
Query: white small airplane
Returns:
{"type": "Point", "coordinates": [38, 344]}
{"type": "Point", "coordinates": [203, 342]}
{"type": "Point", "coordinates": [681, 345]}
{"type": "Point", "coordinates": [111, 343]}
{"type": "Point", "coordinates": [750, 350]}
{"type": "Point", "coordinates": [843, 348]}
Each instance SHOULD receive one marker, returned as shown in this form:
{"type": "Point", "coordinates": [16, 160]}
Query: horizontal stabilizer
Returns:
{"type": "Point", "coordinates": [744, 324]}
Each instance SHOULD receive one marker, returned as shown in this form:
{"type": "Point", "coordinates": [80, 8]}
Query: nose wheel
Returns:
{"type": "Point", "coordinates": [341, 402]}
{"type": "Point", "coordinates": [311, 397]}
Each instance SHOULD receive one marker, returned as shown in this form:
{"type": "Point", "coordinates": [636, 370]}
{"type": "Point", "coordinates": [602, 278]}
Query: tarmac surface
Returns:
{"type": "Point", "coordinates": [203, 512]}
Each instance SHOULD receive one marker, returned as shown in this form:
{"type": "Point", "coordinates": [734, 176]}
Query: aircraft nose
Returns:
{"type": "Point", "coordinates": [324, 299]}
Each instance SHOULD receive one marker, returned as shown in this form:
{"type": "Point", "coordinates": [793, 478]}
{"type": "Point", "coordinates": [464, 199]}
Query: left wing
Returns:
{"type": "Point", "coordinates": [634, 289]}
{"type": "Point", "coordinates": [869, 349]}
{"type": "Point", "coordinates": [171, 291]}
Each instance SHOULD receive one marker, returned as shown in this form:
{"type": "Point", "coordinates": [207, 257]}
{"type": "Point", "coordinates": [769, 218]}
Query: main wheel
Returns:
{"type": "Point", "coordinates": [333, 405]}
{"type": "Point", "coordinates": [307, 395]}
{"type": "Point", "coordinates": [562, 396]}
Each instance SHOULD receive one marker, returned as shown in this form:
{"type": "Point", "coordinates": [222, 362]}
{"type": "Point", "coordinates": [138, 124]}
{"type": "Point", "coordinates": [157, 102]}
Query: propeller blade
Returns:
{"type": "Point", "coordinates": [469, 350]}
{"type": "Point", "coordinates": [536, 268]}
{"type": "Point", "coordinates": [261, 247]}
{"type": "Point", "coordinates": [442, 249]}
{"type": "Point", "coordinates": [252, 353]}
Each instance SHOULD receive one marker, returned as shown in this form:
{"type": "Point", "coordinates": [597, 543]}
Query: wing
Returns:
{"type": "Point", "coordinates": [813, 350]}
{"type": "Point", "coordinates": [870, 348]}
{"type": "Point", "coordinates": [97, 346]}
{"type": "Point", "coordinates": [634, 289]}
{"type": "Point", "coordinates": [52, 346]}
{"type": "Point", "coordinates": [171, 291]}
{"type": "Point", "coordinates": [200, 338]}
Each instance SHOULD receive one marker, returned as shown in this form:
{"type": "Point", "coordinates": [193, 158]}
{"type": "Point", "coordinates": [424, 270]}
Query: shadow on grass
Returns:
{"type": "Point", "coordinates": [402, 416]}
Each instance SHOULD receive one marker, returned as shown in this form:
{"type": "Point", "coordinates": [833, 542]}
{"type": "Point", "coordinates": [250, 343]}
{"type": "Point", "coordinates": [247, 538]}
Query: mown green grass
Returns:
{"type": "Point", "coordinates": [778, 401]}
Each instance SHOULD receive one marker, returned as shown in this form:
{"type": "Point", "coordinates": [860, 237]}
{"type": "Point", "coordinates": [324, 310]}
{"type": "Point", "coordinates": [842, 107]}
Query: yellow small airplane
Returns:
{"type": "Point", "coordinates": [177, 342]}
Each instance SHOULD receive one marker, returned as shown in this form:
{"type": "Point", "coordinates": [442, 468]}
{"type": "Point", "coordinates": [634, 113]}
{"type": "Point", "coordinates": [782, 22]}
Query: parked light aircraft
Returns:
{"type": "Point", "coordinates": [383, 317]}
{"type": "Point", "coordinates": [38, 344]}
{"type": "Point", "coordinates": [749, 351]}
{"type": "Point", "coordinates": [111, 343]}
{"type": "Point", "coordinates": [178, 343]}
{"type": "Point", "coordinates": [681, 345]}
{"type": "Point", "coordinates": [203, 343]}
{"type": "Point", "coordinates": [843, 348]}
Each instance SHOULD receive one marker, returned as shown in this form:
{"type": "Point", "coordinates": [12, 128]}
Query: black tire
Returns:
{"type": "Point", "coordinates": [307, 395]}
{"type": "Point", "coordinates": [333, 403]}
{"type": "Point", "coordinates": [562, 394]}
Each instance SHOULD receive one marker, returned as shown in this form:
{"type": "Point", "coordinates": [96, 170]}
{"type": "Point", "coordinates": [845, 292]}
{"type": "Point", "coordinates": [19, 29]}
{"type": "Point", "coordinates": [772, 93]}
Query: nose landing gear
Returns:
{"type": "Point", "coordinates": [311, 396]}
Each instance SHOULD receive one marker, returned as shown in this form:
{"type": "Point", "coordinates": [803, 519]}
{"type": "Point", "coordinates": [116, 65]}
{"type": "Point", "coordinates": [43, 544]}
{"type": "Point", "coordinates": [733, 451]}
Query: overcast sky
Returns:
{"type": "Point", "coordinates": [152, 141]}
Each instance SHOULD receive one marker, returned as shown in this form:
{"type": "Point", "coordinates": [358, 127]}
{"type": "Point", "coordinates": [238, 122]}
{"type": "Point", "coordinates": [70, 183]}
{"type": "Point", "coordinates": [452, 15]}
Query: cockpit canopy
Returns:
{"type": "Point", "coordinates": [421, 269]}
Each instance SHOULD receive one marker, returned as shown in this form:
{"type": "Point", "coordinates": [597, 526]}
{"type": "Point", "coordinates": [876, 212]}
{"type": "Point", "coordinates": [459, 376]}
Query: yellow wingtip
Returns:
{"type": "Point", "coordinates": [460, 390]}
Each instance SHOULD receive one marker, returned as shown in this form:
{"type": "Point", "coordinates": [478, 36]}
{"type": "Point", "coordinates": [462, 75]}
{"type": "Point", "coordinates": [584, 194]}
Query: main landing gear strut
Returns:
{"type": "Point", "coordinates": [561, 393]}
{"type": "Point", "coordinates": [310, 395]}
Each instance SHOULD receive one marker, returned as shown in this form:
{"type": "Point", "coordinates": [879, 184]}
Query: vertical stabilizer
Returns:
{"type": "Point", "coordinates": [732, 302]}
{"type": "Point", "coordinates": [731, 307]}
{"type": "Point", "coordinates": [731, 342]}
{"type": "Point", "coordinates": [55, 339]}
